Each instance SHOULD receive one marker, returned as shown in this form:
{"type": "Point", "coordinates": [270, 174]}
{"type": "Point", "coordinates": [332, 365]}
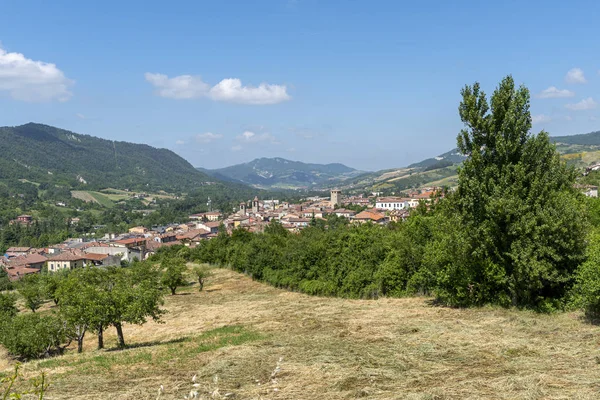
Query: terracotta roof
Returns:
{"type": "Point", "coordinates": [369, 215]}
{"type": "Point", "coordinates": [18, 249]}
{"type": "Point", "coordinates": [18, 272]}
{"type": "Point", "coordinates": [192, 234]}
{"type": "Point", "coordinates": [95, 256]}
{"type": "Point", "coordinates": [27, 260]}
{"type": "Point", "coordinates": [72, 255]}
{"type": "Point", "coordinates": [131, 241]}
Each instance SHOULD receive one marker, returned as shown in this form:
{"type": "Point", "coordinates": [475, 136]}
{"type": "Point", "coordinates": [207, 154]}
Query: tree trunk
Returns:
{"type": "Point", "coordinates": [100, 337]}
{"type": "Point", "coordinates": [173, 289]}
{"type": "Point", "coordinates": [80, 344]}
{"type": "Point", "coordinates": [200, 284]}
{"type": "Point", "coordinates": [120, 337]}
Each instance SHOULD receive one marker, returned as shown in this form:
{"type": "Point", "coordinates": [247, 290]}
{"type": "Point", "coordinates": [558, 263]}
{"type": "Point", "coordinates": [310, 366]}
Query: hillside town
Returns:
{"type": "Point", "coordinates": [140, 242]}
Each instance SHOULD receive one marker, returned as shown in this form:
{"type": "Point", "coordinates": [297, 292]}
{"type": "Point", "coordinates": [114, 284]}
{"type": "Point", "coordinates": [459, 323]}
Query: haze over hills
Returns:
{"type": "Point", "coordinates": [42, 153]}
{"type": "Point", "coordinates": [284, 174]}
{"type": "Point", "coordinates": [579, 150]}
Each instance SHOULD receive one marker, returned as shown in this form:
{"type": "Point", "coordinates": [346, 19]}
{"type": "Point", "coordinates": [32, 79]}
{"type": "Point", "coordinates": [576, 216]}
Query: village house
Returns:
{"type": "Point", "coordinates": [369, 216]}
{"type": "Point", "coordinates": [192, 237]}
{"type": "Point", "coordinates": [140, 230]}
{"type": "Point", "coordinates": [22, 219]}
{"type": "Point", "coordinates": [392, 203]}
{"type": "Point", "coordinates": [342, 212]}
{"type": "Point", "coordinates": [18, 251]}
{"type": "Point", "coordinates": [211, 227]}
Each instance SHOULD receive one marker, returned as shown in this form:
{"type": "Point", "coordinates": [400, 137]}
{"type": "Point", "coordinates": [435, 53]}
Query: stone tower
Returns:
{"type": "Point", "coordinates": [243, 208]}
{"type": "Point", "coordinates": [335, 197]}
{"type": "Point", "coordinates": [255, 205]}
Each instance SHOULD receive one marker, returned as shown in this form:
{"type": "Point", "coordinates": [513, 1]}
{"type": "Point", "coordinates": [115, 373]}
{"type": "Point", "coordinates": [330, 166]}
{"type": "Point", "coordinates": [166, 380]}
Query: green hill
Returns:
{"type": "Point", "coordinates": [42, 153]}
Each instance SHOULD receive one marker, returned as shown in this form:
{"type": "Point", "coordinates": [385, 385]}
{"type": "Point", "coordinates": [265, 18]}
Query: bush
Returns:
{"type": "Point", "coordinates": [29, 336]}
{"type": "Point", "coordinates": [586, 292]}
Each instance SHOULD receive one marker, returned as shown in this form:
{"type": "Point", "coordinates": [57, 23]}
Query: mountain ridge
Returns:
{"type": "Point", "coordinates": [43, 153]}
{"type": "Point", "coordinates": [278, 172]}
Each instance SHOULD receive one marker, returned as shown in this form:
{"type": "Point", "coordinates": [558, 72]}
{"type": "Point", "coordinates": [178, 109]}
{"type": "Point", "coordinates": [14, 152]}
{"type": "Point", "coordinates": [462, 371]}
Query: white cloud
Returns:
{"type": "Point", "coordinates": [554, 93]}
{"type": "Point", "coordinates": [236, 148]}
{"type": "Point", "coordinates": [228, 90]}
{"type": "Point", "coordinates": [568, 118]}
{"type": "Point", "coordinates": [541, 118]}
{"type": "Point", "coordinates": [34, 81]}
{"type": "Point", "coordinates": [231, 90]}
{"type": "Point", "coordinates": [593, 118]}
{"type": "Point", "coordinates": [585, 104]}
{"type": "Point", "coordinates": [81, 116]}
{"type": "Point", "coordinates": [575, 75]}
{"type": "Point", "coordinates": [251, 137]}
{"type": "Point", "coordinates": [208, 137]}
{"type": "Point", "coordinates": [179, 87]}
{"type": "Point", "coordinates": [179, 142]}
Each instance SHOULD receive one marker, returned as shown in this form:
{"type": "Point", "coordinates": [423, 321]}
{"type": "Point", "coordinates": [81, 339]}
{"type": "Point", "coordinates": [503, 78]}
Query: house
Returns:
{"type": "Point", "coordinates": [342, 212]}
{"type": "Point", "coordinates": [17, 272]}
{"type": "Point", "coordinates": [212, 227]}
{"type": "Point", "coordinates": [18, 251]}
{"type": "Point", "coordinates": [140, 230]}
{"type": "Point", "coordinates": [193, 236]}
{"type": "Point", "coordinates": [67, 260]}
{"type": "Point", "coordinates": [391, 203]}
{"type": "Point", "coordinates": [29, 261]}
{"type": "Point", "coordinates": [299, 222]}
{"type": "Point", "coordinates": [369, 216]}
{"type": "Point", "coordinates": [399, 215]}
{"type": "Point", "coordinates": [213, 216]}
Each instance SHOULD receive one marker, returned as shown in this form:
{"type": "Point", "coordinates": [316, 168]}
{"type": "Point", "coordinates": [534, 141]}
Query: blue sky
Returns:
{"type": "Point", "coordinates": [372, 84]}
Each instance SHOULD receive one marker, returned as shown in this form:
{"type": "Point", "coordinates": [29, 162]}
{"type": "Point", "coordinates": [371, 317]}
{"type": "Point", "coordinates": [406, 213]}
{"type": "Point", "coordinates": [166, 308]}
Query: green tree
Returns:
{"type": "Point", "coordinates": [30, 287]}
{"type": "Point", "coordinates": [80, 302]}
{"type": "Point", "coordinates": [8, 306]}
{"type": "Point", "coordinates": [521, 221]}
{"type": "Point", "coordinates": [31, 335]}
{"type": "Point", "coordinates": [586, 292]}
{"type": "Point", "coordinates": [201, 272]}
{"type": "Point", "coordinates": [173, 274]}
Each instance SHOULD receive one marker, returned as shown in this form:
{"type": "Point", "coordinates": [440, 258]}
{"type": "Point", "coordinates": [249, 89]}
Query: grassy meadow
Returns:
{"type": "Point", "coordinates": [246, 340]}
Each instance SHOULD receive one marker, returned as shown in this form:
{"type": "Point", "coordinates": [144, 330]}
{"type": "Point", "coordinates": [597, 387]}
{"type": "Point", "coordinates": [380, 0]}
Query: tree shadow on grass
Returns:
{"type": "Point", "coordinates": [148, 344]}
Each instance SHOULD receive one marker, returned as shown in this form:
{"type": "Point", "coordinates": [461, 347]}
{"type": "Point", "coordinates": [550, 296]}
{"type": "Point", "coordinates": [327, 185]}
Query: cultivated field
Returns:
{"type": "Point", "coordinates": [238, 330]}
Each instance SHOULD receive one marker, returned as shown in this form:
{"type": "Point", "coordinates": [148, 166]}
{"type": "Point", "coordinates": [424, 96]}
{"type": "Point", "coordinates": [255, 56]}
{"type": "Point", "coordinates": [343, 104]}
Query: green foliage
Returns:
{"type": "Point", "coordinates": [32, 290]}
{"type": "Point", "coordinates": [8, 308]}
{"type": "Point", "coordinates": [5, 283]}
{"type": "Point", "coordinates": [519, 235]}
{"type": "Point", "coordinates": [35, 147]}
{"type": "Point", "coordinates": [173, 274]}
{"type": "Point", "coordinates": [29, 336]}
{"type": "Point", "coordinates": [586, 292]}
{"type": "Point", "coordinates": [200, 273]}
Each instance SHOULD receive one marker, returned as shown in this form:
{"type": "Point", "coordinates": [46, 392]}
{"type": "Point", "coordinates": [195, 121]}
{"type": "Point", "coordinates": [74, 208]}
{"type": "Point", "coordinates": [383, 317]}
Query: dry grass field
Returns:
{"type": "Point", "coordinates": [238, 331]}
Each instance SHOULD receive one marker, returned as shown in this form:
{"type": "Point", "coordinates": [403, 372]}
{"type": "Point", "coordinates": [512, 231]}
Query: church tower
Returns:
{"type": "Point", "coordinates": [255, 205]}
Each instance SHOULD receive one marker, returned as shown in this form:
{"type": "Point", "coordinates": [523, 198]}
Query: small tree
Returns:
{"type": "Point", "coordinates": [32, 290]}
{"type": "Point", "coordinates": [8, 306]}
{"type": "Point", "coordinates": [29, 336]}
{"type": "Point", "coordinates": [201, 272]}
{"type": "Point", "coordinates": [173, 275]}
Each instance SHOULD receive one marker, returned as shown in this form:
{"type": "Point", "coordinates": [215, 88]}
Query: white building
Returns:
{"type": "Point", "coordinates": [392, 203]}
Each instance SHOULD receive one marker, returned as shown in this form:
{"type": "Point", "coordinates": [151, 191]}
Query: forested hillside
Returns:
{"type": "Point", "coordinates": [42, 153]}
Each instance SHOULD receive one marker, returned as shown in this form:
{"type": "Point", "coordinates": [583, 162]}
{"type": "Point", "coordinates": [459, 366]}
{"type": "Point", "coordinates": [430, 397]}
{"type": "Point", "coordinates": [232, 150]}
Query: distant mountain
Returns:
{"type": "Point", "coordinates": [585, 139]}
{"type": "Point", "coordinates": [579, 150]}
{"type": "Point", "coordinates": [42, 153]}
{"type": "Point", "coordinates": [453, 156]}
{"type": "Point", "coordinates": [284, 174]}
